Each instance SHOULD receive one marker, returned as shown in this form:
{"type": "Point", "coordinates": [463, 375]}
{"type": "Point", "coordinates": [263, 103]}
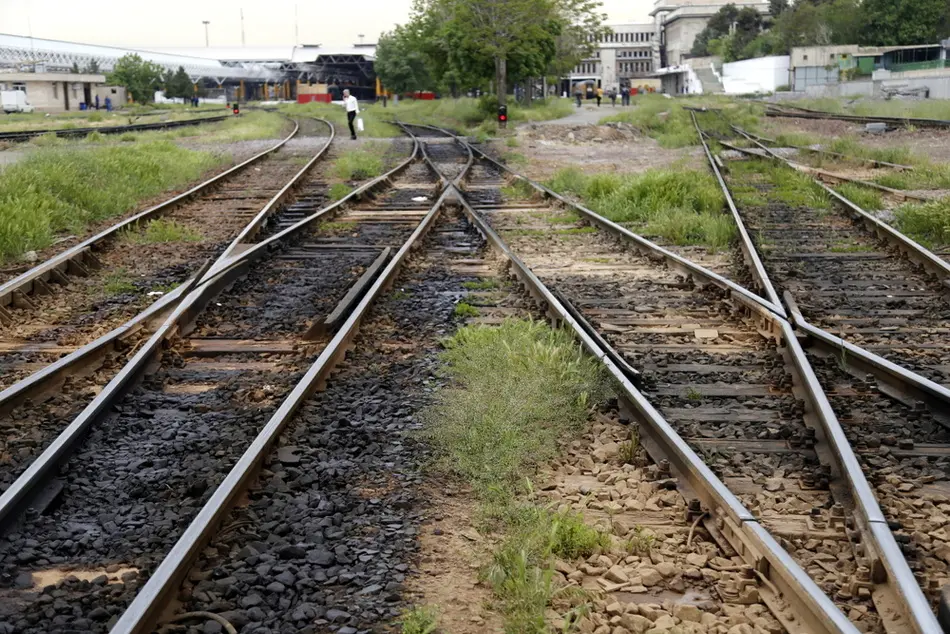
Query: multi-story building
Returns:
{"type": "Point", "coordinates": [624, 57]}
{"type": "Point", "coordinates": [678, 22]}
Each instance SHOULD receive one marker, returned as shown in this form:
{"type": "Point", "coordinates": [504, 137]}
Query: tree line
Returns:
{"type": "Point", "coordinates": [453, 46]}
{"type": "Point", "coordinates": [142, 78]}
{"type": "Point", "coordinates": [736, 34]}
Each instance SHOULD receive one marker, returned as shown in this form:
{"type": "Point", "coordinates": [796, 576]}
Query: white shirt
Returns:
{"type": "Point", "coordinates": [351, 104]}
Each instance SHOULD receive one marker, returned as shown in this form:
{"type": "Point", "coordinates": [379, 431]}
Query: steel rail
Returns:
{"type": "Point", "coordinates": [145, 609]}
{"type": "Point", "coordinates": [805, 113]}
{"type": "Point", "coordinates": [39, 381]}
{"type": "Point", "coordinates": [796, 600]}
{"type": "Point", "coordinates": [60, 263]}
{"type": "Point", "coordinates": [859, 159]}
{"type": "Point", "coordinates": [874, 529]}
{"type": "Point", "coordinates": [906, 245]}
{"type": "Point", "coordinates": [26, 135]}
{"type": "Point", "coordinates": [823, 174]}
{"type": "Point", "coordinates": [224, 271]}
{"type": "Point", "coordinates": [889, 563]}
{"type": "Point", "coordinates": [750, 255]}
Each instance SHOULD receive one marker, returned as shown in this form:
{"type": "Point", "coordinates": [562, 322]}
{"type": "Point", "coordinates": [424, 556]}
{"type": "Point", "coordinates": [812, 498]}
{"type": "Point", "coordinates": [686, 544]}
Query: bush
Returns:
{"type": "Point", "coordinates": [928, 223]}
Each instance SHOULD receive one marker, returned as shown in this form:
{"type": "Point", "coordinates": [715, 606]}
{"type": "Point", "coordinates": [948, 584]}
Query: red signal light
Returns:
{"type": "Point", "coordinates": [503, 117]}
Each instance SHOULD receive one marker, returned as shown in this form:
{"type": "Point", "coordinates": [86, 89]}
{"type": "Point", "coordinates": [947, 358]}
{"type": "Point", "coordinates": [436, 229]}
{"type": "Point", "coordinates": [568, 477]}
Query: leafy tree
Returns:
{"type": "Point", "coordinates": [718, 28]}
{"type": "Point", "coordinates": [178, 84]}
{"type": "Point", "coordinates": [401, 61]}
{"type": "Point", "coordinates": [778, 7]}
{"type": "Point", "coordinates": [729, 33]}
{"type": "Point", "coordinates": [904, 22]}
{"type": "Point", "coordinates": [139, 77]}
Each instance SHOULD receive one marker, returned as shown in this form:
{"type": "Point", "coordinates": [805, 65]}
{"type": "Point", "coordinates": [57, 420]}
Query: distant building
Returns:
{"type": "Point", "coordinates": [623, 58]}
{"type": "Point", "coordinates": [678, 22]}
{"type": "Point", "coordinates": [59, 92]}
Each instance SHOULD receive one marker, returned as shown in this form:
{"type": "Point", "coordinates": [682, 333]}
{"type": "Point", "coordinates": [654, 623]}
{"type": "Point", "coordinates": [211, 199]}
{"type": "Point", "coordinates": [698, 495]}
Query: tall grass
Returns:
{"type": "Point", "coordinates": [63, 189]}
{"type": "Point", "coordinates": [928, 223]}
{"type": "Point", "coordinates": [162, 230]}
{"type": "Point", "coordinates": [474, 115]}
{"type": "Point", "coordinates": [515, 391]}
{"type": "Point", "coordinates": [366, 162]}
{"type": "Point", "coordinates": [864, 197]}
{"type": "Point", "coordinates": [684, 207]}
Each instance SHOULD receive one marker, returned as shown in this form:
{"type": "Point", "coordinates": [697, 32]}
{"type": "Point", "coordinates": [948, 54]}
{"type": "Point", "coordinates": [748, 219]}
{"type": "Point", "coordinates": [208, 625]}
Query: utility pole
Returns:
{"type": "Point", "coordinates": [206, 23]}
{"type": "Point", "coordinates": [296, 28]}
{"type": "Point", "coordinates": [242, 27]}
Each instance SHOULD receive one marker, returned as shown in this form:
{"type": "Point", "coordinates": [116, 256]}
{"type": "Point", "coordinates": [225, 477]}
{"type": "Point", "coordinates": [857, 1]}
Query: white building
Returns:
{"type": "Point", "coordinates": [678, 22]}
{"type": "Point", "coordinates": [623, 58]}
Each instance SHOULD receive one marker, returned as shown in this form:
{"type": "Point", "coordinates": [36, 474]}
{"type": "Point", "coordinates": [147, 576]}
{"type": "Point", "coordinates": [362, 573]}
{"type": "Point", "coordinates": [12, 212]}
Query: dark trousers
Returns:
{"type": "Point", "coordinates": [350, 117]}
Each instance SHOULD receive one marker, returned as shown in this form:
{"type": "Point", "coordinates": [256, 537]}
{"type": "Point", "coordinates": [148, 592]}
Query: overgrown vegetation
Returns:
{"type": "Point", "coordinates": [419, 620]}
{"type": "Point", "coordinates": [927, 223]}
{"type": "Point", "coordinates": [161, 230]}
{"type": "Point", "coordinates": [63, 189]}
{"type": "Point", "coordinates": [865, 197]}
{"type": "Point", "coordinates": [376, 119]}
{"type": "Point", "coordinates": [117, 282]}
{"type": "Point", "coordinates": [781, 183]}
{"type": "Point", "coordinates": [683, 207]}
{"type": "Point", "coordinates": [475, 116]}
{"type": "Point", "coordinates": [339, 191]}
{"type": "Point", "coordinates": [515, 391]}
{"type": "Point", "coordinates": [361, 164]}
{"type": "Point", "coordinates": [464, 310]}
{"type": "Point", "coordinates": [671, 125]}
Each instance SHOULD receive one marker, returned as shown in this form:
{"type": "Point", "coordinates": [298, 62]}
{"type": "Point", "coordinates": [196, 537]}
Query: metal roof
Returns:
{"type": "Point", "coordinates": [19, 52]}
{"type": "Point", "coordinates": [268, 54]}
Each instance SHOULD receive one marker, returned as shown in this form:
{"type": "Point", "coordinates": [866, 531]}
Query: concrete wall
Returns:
{"type": "Point", "coordinates": [763, 74]}
{"type": "Point", "coordinates": [805, 76]}
{"type": "Point", "coordinates": [939, 87]}
{"type": "Point", "coordinates": [680, 36]}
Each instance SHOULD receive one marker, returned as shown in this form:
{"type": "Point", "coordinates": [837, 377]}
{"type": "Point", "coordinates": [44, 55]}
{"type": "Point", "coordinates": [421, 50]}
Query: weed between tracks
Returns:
{"type": "Point", "coordinates": [419, 620]}
{"type": "Point", "coordinates": [515, 391]}
{"type": "Point", "coordinates": [360, 164]}
{"type": "Point", "coordinates": [864, 197]}
{"type": "Point", "coordinates": [683, 207]}
{"type": "Point", "coordinates": [161, 230]}
{"type": "Point", "coordinates": [927, 223]}
{"type": "Point", "coordinates": [63, 189]}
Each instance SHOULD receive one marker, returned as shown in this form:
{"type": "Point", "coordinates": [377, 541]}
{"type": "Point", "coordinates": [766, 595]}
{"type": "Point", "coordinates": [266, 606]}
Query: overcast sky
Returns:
{"type": "Point", "coordinates": [266, 22]}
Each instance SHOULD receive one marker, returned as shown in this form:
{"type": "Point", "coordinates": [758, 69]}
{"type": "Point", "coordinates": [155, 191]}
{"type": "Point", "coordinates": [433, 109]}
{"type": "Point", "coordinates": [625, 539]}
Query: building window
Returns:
{"type": "Point", "coordinates": [805, 57]}
{"type": "Point", "coordinates": [19, 86]}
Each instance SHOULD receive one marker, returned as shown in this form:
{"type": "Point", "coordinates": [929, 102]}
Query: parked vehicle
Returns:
{"type": "Point", "coordinates": [14, 101]}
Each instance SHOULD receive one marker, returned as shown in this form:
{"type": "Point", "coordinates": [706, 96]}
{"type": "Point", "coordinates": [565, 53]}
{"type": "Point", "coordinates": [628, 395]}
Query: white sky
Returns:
{"type": "Point", "coordinates": [144, 23]}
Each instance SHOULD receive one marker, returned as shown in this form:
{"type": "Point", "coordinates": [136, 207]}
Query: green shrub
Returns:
{"type": "Point", "coordinates": [928, 223]}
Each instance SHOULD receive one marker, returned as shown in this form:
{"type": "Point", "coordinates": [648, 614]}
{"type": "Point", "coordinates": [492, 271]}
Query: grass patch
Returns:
{"type": "Point", "coordinates": [339, 191]}
{"type": "Point", "coordinates": [924, 109]}
{"type": "Point", "coordinates": [864, 197]}
{"type": "Point", "coordinates": [418, 620]}
{"type": "Point", "coordinates": [515, 391]}
{"type": "Point", "coordinates": [464, 310]}
{"type": "Point", "coordinates": [117, 282]}
{"type": "Point", "coordinates": [683, 207]}
{"type": "Point", "coordinates": [518, 189]}
{"type": "Point", "coordinates": [474, 116]}
{"type": "Point", "coordinates": [481, 285]}
{"type": "Point", "coordinates": [640, 542]}
{"type": "Point", "coordinates": [927, 223]}
{"type": "Point", "coordinates": [337, 226]}
{"type": "Point", "coordinates": [360, 164]}
{"type": "Point", "coordinates": [63, 189]}
{"type": "Point", "coordinates": [160, 231]}
{"type": "Point", "coordinates": [671, 125]}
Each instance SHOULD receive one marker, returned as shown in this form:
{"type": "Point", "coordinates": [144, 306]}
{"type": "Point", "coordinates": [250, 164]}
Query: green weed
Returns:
{"type": "Point", "coordinates": [481, 285]}
{"type": "Point", "coordinates": [693, 394]}
{"type": "Point", "coordinates": [117, 282]}
{"type": "Point", "coordinates": [360, 164]}
{"type": "Point", "coordinates": [464, 310]}
{"type": "Point", "coordinates": [864, 197]}
{"type": "Point", "coordinates": [338, 225]}
{"type": "Point", "coordinates": [927, 223]}
{"type": "Point", "coordinates": [161, 230]}
{"type": "Point", "coordinates": [339, 191]}
{"type": "Point", "coordinates": [640, 542]}
{"type": "Point", "coordinates": [418, 620]}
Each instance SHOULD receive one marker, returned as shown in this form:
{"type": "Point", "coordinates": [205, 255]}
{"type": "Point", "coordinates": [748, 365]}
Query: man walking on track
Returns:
{"type": "Point", "coordinates": [352, 109]}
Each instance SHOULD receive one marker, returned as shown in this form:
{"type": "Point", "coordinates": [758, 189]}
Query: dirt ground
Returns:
{"type": "Point", "coordinates": [579, 141]}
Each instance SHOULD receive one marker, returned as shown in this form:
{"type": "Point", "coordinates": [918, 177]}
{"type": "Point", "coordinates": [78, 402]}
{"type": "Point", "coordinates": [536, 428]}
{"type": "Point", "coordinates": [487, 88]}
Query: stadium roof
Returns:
{"type": "Point", "coordinates": [20, 53]}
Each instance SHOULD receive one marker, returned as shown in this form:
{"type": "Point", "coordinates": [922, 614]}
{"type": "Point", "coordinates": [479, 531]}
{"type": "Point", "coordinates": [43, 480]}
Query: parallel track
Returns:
{"type": "Point", "coordinates": [75, 133]}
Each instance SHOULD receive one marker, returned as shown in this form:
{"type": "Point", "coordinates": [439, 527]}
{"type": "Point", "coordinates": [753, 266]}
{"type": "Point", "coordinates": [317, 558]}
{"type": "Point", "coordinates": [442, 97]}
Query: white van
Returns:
{"type": "Point", "coordinates": [14, 101]}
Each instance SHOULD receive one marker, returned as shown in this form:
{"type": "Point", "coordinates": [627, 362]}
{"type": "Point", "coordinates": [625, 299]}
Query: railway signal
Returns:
{"type": "Point", "coordinates": [502, 116]}
{"type": "Point", "coordinates": [237, 108]}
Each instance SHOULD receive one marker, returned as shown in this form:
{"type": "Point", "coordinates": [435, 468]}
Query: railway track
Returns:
{"type": "Point", "coordinates": [796, 112]}
{"type": "Point", "coordinates": [75, 133]}
{"type": "Point", "coordinates": [234, 371]}
{"type": "Point", "coordinates": [64, 313]}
